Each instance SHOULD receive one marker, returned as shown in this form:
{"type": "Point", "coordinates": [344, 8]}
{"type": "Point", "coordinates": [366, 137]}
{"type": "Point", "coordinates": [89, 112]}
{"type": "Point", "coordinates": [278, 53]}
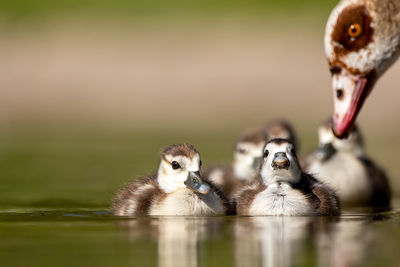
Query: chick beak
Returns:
{"type": "Point", "coordinates": [195, 183]}
{"type": "Point", "coordinates": [347, 106]}
{"type": "Point", "coordinates": [256, 163]}
{"type": "Point", "coordinates": [325, 152]}
{"type": "Point", "coordinates": [280, 161]}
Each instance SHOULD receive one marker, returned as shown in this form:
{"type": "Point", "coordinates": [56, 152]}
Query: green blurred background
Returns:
{"type": "Point", "coordinates": [20, 9]}
{"type": "Point", "coordinates": [90, 91]}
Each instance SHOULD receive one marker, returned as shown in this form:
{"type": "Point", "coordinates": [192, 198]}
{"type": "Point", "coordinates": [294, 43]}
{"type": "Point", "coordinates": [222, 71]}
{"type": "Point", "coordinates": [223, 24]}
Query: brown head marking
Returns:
{"type": "Point", "coordinates": [353, 30]}
{"type": "Point", "coordinates": [280, 141]}
{"type": "Point", "coordinates": [186, 150]}
{"type": "Point", "coordinates": [251, 136]}
{"type": "Point", "coordinates": [277, 127]}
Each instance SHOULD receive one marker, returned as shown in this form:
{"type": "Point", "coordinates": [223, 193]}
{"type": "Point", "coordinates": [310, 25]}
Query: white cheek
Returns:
{"type": "Point", "coordinates": [266, 170]}
{"type": "Point", "coordinates": [325, 136]}
{"type": "Point", "coordinates": [170, 183]}
{"type": "Point", "coordinates": [364, 60]}
{"type": "Point", "coordinates": [328, 47]}
{"type": "Point", "coordinates": [328, 40]}
{"type": "Point", "coordinates": [328, 32]}
{"type": "Point", "coordinates": [169, 179]}
{"type": "Point", "coordinates": [193, 165]}
{"type": "Point", "coordinates": [243, 163]}
{"type": "Point", "coordinates": [245, 160]}
{"type": "Point", "coordinates": [257, 152]}
{"type": "Point", "coordinates": [243, 167]}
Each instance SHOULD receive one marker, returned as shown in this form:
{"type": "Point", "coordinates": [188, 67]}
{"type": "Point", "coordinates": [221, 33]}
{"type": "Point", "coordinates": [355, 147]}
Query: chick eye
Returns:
{"type": "Point", "coordinates": [175, 165]}
{"type": "Point", "coordinates": [266, 153]}
{"type": "Point", "coordinates": [354, 30]}
{"type": "Point", "coordinates": [201, 163]}
{"type": "Point", "coordinates": [293, 151]}
{"type": "Point", "coordinates": [241, 151]}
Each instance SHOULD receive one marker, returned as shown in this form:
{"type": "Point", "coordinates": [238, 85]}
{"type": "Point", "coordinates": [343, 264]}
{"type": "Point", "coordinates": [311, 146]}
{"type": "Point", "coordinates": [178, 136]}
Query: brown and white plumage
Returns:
{"type": "Point", "coordinates": [177, 189]}
{"type": "Point", "coordinates": [284, 189]}
{"type": "Point", "coordinates": [344, 165]}
{"type": "Point", "coordinates": [223, 176]}
{"type": "Point", "coordinates": [247, 155]}
{"type": "Point", "coordinates": [362, 40]}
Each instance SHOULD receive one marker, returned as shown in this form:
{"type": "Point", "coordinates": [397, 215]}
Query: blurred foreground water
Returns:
{"type": "Point", "coordinates": [95, 238]}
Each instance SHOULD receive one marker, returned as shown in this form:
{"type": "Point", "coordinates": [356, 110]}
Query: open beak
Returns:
{"type": "Point", "coordinates": [195, 183]}
{"type": "Point", "coordinates": [350, 92]}
{"type": "Point", "coordinates": [325, 152]}
{"type": "Point", "coordinates": [280, 161]}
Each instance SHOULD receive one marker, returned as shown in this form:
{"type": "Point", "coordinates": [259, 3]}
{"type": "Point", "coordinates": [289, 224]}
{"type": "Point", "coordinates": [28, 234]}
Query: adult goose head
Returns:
{"type": "Point", "coordinates": [362, 40]}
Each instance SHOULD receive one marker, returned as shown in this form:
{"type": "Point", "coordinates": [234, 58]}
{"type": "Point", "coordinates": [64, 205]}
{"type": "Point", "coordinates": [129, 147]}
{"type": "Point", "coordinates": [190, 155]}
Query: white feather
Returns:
{"type": "Point", "coordinates": [345, 174]}
{"type": "Point", "coordinates": [186, 202]}
{"type": "Point", "coordinates": [217, 177]}
{"type": "Point", "coordinates": [281, 199]}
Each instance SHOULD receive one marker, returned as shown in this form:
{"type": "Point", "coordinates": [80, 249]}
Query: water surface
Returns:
{"type": "Point", "coordinates": [96, 238]}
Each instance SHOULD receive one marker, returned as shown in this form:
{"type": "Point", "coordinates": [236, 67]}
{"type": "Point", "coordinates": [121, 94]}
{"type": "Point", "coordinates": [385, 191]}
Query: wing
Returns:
{"type": "Point", "coordinates": [245, 197]}
{"type": "Point", "coordinates": [229, 209]}
{"type": "Point", "coordinates": [137, 197]}
{"type": "Point", "coordinates": [382, 193]}
{"type": "Point", "coordinates": [329, 203]}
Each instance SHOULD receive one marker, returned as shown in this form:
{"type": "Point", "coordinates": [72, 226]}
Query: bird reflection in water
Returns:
{"type": "Point", "coordinates": [309, 241]}
{"type": "Point", "coordinates": [346, 243]}
{"type": "Point", "coordinates": [257, 241]}
{"type": "Point", "coordinates": [178, 238]}
{"type": "Point", "coordinates": [270, 241]}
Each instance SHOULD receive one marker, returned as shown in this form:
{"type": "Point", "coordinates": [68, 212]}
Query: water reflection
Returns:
{"type": "Point", "coordinates": [270, 241]}
{"type": "Point", "coordinates": [346, 243]}
{"type": "Point", "coordinates": [257, 241]}
{"type": "Point", "coordinates": [178, 238]}
{"type": "Point", "coordinates": [288, 241]}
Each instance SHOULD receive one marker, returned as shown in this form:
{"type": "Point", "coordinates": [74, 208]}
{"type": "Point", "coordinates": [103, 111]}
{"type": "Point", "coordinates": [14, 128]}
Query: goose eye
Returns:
{"type": "Point", "coordinates": [175, 165]}
{"type": "Point", "coordinates": [266, 153]}
{"type": "Point", "coordinates": [354, 30]}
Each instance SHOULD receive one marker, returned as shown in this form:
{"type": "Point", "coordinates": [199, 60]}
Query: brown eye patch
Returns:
{"type": "Point", "coordinates": [352, 30]}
